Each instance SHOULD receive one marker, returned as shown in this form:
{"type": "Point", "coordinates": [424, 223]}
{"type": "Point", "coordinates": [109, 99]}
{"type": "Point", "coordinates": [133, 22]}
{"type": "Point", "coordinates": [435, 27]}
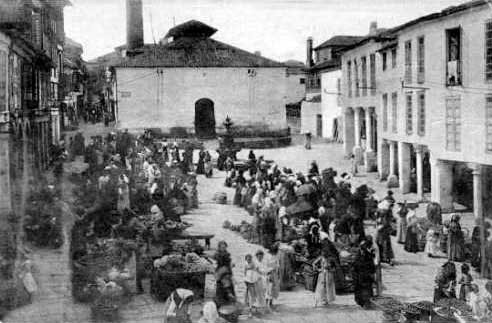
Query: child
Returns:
{"type": "Point", "coordinates": [476, 302]}
{"type": "Point", "coordinates": [325, 287]}
{"type": "Point", "coordinates": [251, 277]}
{"type": "Point", "coordinates": [465, 282]}
{"type": "Point", "coordinates": [432, 243]}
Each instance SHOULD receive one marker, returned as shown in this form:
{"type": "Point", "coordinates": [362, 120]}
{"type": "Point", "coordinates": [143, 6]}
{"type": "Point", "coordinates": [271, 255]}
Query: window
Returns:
{"type": "Point", "coordinates": [393, 58]}
{"type": "Point", "coordinates": [488, 124]}
{"type": "Point", "coordinates": [453, 59]}
{"type": "Point", "coordinates": [488, 51]}
{"type": "Point", "coordinates": [364, 75]}
{"type": "Point", "coordinates": [372, 62]}
{"type": "Point", "coordinates": [385, 112]}
{"type": "Point", "coordinates": [421, 60]}
{"type": "Point", "coordinates": [349, 79]}
{"type": "Point", "coordinates": [302, 80]}
{"type": "Point", "coordinates": [453, 123]}
{"type": "Point", "coordinates": [421, 114]}
{"type": "Point", "coordinates": [408, 62]}
{"type": "Point", "coordinates": [356, 73]}
{"type": "Point", "coordinates": [394, 112]}
{"type": "Point", "coordinates": [318, 83]}
{"type": "Point", "coordinates": [3, 81]}
{"type": "Point", "coordinates": [385, 60]}
{"type": "Point", "coordinates": [409, 116]}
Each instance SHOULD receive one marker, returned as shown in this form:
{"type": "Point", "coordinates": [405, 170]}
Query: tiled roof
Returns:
{"type": "Point", "coordinates": [340, 41]}
{"type": "Point", "coordinates": [195, 52]}
{"type": "Point", "coordinates": [192, 28]}
{"type": "Point", "coordinates": [330, 64]}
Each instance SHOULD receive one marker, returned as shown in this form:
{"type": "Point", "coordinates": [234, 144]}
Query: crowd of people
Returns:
{"type": "Point", "coordinates": [288, 209]}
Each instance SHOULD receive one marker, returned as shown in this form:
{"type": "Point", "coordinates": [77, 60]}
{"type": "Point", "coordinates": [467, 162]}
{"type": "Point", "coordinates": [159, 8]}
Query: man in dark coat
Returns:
{"type": "Point", "coordinates": [364, 270]}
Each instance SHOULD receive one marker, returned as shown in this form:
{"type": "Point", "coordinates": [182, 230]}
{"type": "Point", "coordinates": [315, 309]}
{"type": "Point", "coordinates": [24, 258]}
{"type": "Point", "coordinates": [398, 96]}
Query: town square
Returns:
{"type": "Point", "coordinates": [218, 161]}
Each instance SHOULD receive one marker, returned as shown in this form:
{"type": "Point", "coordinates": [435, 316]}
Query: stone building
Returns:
{"type": "Point", "coordinates": [192, 82]}
{"type": "Point", "coordinates": [359, 99]}
{"type": "Point", "coordinates": [31, 56]}
{"type": "Point", "coordinates": [432, 102]}
{"type": "Point", "coordinates": [321, 112]}
{"type": "Point", "coordinates": [73, 80]}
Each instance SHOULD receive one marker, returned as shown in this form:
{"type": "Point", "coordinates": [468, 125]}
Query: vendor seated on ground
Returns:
{"type": "Point", "coordinates": [177, 308]}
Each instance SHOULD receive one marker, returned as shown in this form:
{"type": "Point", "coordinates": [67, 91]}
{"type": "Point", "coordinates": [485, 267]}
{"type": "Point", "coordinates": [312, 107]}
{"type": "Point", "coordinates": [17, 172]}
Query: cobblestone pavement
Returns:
{"type": "Point", "coordinates": [410, 280]}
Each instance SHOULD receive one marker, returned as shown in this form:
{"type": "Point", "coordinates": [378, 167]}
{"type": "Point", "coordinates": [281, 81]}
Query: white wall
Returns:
{"type": "Point", "coordinates": [330, 107]}
{"type": "Point", "coordinates": [147, 99]}
{"type": "Point", "coordinates": [295, 91]}
{"type": "Point", "coordinates": [309, 111]}
{"type": "Point", "coordinates": [472, 92]}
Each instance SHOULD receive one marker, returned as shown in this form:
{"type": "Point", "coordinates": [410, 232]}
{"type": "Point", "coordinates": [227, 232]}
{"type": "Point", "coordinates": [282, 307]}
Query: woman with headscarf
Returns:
{"type": "Point", "coordinates": [260, 286]}
{"type": "Point", "coordinates": [208, 165]}
{"type": "Point", "coordinates": [269, 215]}
{"type": "Point", "coordinates": [177, 308]}
{"type": "Point", "coordinates": [456, 240]}
{"type": "Point", "coordinates": [402, 223]}
{"type": "Point", "coordinates": [210, 314]}
{"type": "Point", "coordinates": [200, 167]}
{"type": "Point", "coordinates": [257, 204]}
{"type": "Point", "coordinates": [224, 292]}
{"type": "Point", "coordinates": [363, 274]}
{"type": "Point", "coordinates": [445, 282]}
{"type": "Point", "coordinates": [413, 230]}
{"type": "Point", "coordinates": [383, 240]}
{"type": "Point", "coordinates": [313, 240]}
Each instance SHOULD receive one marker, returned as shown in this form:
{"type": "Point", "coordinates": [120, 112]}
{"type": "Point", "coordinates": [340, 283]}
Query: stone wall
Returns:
{"type": "Point", "coordinates": [147, 99]}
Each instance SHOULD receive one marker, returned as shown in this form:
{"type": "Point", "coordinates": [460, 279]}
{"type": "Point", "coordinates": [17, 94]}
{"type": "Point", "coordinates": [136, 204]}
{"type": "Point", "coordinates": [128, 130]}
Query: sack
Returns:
{"type": "Point", "coordinates": [29, 283]}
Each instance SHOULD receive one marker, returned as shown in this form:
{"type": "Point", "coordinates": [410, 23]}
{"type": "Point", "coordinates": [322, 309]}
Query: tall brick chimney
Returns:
{"type": "Point", "coordinates": [134, 25]}
{"type": "Point", "coordinates": [309, 52]}
{"type": "Point", "coordinates": [373, 28]}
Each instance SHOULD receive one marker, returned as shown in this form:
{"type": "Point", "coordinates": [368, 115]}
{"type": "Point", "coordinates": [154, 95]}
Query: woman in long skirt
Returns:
{"type": "Point", "coordinates": [402, 224]}
{"type": "Point", "coordinates": [261, 265]}
{"type": "Point", "coordinates": [273, 277]}
{"type": "Point", "coordinates": [325, 286]}
{"type": "Point", "coordinates": [456, 240]}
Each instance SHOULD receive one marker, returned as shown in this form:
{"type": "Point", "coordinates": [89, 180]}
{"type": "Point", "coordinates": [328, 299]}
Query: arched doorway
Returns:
{"type": "Point", "coordinates": [204, 118]}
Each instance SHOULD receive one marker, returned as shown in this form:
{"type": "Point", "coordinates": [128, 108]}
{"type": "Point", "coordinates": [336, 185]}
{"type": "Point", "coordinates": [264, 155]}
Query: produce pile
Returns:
{"type": "Point", "coordinates": [42, 223]}
{"type": "Point", "coordinates": [448, 306]}
{"type": "Point", "coordinates": [191, 262]}
{"type": "Point", "coordinates": [425, 306]}
{"type": "Point", "coordinates": [388, 304]}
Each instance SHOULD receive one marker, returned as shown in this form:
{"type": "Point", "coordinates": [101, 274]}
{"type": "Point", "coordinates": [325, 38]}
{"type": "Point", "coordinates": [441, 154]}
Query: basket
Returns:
{"type": "Point", "coordinates": [163, 283]}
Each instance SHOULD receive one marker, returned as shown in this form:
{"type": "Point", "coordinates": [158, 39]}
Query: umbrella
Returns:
{"type": "Point", "coordinates": [305, 189]}
{"type": "Point", "coordinates": [299, 208]}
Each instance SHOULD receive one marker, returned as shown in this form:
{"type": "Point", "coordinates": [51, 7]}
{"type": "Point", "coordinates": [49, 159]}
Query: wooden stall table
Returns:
{"type": "Point", "coordinates": [190, 236]}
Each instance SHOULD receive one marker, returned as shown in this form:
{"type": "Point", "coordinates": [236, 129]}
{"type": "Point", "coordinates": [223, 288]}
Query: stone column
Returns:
{"type": "Point", "coordinates": [478, 209]}
{"type": "Point", "coordinates": [369, 155]}
{"type": "Point", "coordinates": [392, 178]}
{"type": "Point", "coordinates": [442, 184]}
{"type": "Point", "coordinates": [404, 171]}
{"type": "Point", "coordinates": [357, 149]}
{"type": "Point", "coordinates": [348, 129]}
{"type": "Point", "coordinates": [420, 171]}
{"type": "Point", "coordinates": [383, 157]}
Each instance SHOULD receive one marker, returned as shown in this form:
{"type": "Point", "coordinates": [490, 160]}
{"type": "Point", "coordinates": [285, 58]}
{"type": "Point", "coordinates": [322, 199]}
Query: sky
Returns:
{"type": "Point", "coordinates": [276, 28]}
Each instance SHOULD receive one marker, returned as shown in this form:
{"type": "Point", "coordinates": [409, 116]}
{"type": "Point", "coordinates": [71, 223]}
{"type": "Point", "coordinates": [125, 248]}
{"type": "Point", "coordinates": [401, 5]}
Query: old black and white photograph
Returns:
{"type": "Point", "coordinates": [245, 161]}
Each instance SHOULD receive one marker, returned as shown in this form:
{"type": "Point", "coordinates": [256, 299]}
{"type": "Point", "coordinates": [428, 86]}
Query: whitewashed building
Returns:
{"type": "Point", "coordinates": [193, 82]}
{"type": "Point", "coordinates": [321, 111]}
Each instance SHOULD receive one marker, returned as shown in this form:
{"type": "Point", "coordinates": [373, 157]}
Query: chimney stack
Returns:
{"type": "Point", "coordinates": [309, 50]}
{"type": "Point", "coordinates": [134, 25]}
{"type": "Point", "coordinates": [373, 28]}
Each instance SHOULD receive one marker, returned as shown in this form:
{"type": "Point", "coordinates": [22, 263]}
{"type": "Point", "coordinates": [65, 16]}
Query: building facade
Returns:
{"type": "Point", "coordinates": [321, 112]}
{"type": "Point", "coordinates": [359, 98]}
{"type": "Point", "coordinates": [433, 103]}
{"type": "Point", "coordinates": [190, 83]}
{"type": "Point", "coordinates": [74, 83]}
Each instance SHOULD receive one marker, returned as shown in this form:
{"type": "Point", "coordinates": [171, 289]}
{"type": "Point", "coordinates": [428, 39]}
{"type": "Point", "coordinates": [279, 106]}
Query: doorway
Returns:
{"type": "Point", "coordinates": [204, 118]}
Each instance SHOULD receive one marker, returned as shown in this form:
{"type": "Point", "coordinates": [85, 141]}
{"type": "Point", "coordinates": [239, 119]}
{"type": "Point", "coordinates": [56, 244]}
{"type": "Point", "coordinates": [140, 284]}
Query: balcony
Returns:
{"type": "Point", "coordinates": [14, 15]}
{"type": "Point", "coordinates": [453, 73]}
